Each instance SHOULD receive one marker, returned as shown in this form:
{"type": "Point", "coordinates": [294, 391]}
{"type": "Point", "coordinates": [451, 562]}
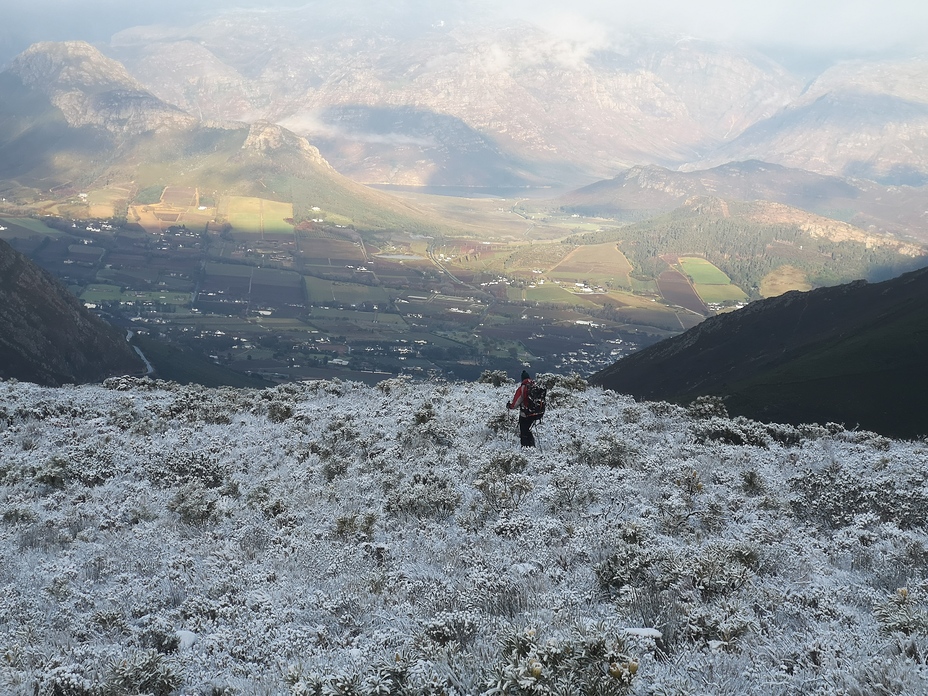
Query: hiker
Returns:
{"type": "Point", "coordinates": [530, 400]}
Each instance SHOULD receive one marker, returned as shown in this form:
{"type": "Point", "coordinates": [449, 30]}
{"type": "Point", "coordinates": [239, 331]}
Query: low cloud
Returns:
{"type": "Point", "coordinates": [312, 125]}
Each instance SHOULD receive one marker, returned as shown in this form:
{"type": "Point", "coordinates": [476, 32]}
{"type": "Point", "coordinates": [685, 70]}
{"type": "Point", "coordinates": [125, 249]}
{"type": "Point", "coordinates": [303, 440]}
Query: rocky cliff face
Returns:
{"type": "Point", "coordinates": [47, 336]}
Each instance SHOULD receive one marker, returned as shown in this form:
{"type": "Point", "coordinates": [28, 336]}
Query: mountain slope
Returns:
{"type": "Point", "coordinates": [47, 336]}
{"type": "Point", "coordinates": [853, 353]}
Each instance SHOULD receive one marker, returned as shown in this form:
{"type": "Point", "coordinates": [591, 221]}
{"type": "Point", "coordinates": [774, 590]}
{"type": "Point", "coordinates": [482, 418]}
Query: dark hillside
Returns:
{"type": "Point", "coordinates": [47, 336]}
{"type": "Point", "coordinates": [853, 354]}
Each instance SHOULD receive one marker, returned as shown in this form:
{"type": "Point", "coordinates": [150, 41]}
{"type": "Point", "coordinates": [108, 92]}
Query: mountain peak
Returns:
{"type": "Point", "coordinates": [93, 90]}
{"type": "Point", "coordinates": [71, 65]}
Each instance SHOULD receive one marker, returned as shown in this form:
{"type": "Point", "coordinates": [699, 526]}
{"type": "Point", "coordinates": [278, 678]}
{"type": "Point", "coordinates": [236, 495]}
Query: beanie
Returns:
{"type": "Point", "coordinates": [525, 376]}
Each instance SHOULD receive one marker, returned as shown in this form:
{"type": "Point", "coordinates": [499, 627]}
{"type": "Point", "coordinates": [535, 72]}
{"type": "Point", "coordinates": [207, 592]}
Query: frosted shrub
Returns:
{"type": "Point", "coordinates": [605, 450]}
{"type": "Point", "coordinates": [588, 663]}
{"type": "Point", "coordinates": [495, 377]}
{"type": "Point", "coordinates": [565, 383]}
{"type": "Point", "coordinates": [55, 474]}
{"type": "Point", "coordinates": [194, 503]}
{"type": "Point", "coordinates": [834, 495]}
{"type": "Point", "coordinates": [452, 626]}
{"type": "Point", "coordinates": [628, 565]}
{"type": "Point", "coordinates": [737, 431]}
{"type": "Point", "coordinates": [719, 568]}
{"type": "Point", "coordinates": [719, 624]}
{"type": "Point", "coordinates": [355, 525]}
{"type": "Point", "coordinates": [426, 494]}
{"type": "Point", "coordinates": [901, 613]}
{"type": "Point", "coordinates": [568, 492]}
{"type": "Point", "coordinates": [705, 407]}
{"type": "Point", "coordinates": [278, 412]}
{"type": "Point", "coordinates": [142, 673]}
{"type": "Point", "coordinates": [500, 422]}
{"type": "Point", "coordinates": [425, 413]}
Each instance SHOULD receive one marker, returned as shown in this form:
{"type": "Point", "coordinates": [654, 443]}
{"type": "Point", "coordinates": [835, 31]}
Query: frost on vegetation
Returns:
{"type": "Point", "coordinates": [331, 538]}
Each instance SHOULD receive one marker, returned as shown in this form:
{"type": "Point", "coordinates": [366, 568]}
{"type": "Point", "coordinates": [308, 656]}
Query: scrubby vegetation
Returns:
{"type": "Point", "coordinates": [331, 538]}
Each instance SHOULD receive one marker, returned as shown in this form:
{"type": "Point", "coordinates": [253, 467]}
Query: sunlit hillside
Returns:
{"type": "Point", "coordinates": [333, 538]}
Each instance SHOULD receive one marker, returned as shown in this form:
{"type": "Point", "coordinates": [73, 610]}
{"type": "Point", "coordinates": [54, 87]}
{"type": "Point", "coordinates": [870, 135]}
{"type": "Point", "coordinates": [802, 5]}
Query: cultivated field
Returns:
{"type": "Point", "coordinates": [702, 272]}
{"type": "Point", "coordinates": [596, 264]}
{"type": "Point", "coordinates": [104, 203]}
{"type": "Point", "coordinates": [720, 293]}
{"type": "Point", "coordinates": [257, 215]}
{"type": "Point", "coordinates": [784, 279]}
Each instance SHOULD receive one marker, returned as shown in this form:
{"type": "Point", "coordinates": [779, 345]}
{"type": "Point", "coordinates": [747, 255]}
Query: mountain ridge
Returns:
{"type": "Point", "coordinates": [851, 353]}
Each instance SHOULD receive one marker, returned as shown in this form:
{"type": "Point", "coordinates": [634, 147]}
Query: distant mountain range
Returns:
{"type": "Point", "coordinates": [442, 98]}
{"type": "Point", "coordinates": [852, 354]}
{"type": "Point", "coordinates": [47, 336]}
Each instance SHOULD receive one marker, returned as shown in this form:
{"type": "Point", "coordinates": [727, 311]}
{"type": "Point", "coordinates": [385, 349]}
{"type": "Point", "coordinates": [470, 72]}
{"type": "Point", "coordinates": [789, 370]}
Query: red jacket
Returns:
{"type": "Point", "coordinates": [521, 397]}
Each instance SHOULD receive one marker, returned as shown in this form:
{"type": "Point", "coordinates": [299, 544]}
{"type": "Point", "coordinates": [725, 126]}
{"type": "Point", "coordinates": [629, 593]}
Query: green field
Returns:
{"type": "Point", "coordinates": [702, 272]}
{"type": "Point", "coordinates": [229, 270]}
{"type": "Point", "coordinates": [321, 290]}
{"type": "Point", "coordinates": [101, 293]}
{"type": "Point", "coordinates": [720, 293]}
{"type": "Point", "coordinates": [17, 226]}
{"type": "Point", "coordinates": [257, 215]}
{"type": "Point", "coordinates": [554, 293]}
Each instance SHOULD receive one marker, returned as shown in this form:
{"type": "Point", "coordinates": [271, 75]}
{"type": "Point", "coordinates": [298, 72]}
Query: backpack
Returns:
{"type": "Point", "coordinates": [536, 400]}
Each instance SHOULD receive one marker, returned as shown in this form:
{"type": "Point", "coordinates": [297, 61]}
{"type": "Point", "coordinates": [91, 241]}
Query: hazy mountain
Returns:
{"type": "Point", "coordinates": [647, 190]}
{"type": "Point", "coordinates": [47, 336]}
{"type": "Point", "coordinates": [70, 115]}
{"type": "Point", "coordinates": [857, 119]}
{"type": "Point", "coordinates": [852, 353]}
{"type": "Point", "coordinates": [459, 102]}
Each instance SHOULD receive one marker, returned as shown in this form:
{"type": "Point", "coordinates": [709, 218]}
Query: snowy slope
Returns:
{"type": "Point", "coordinates": [331, 538]}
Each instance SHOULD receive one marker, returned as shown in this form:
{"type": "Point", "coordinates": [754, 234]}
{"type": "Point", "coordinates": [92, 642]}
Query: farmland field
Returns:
{"type": "Point", "coordinates": [179, 197]}
{"type": "Point", "coordinates": [676, 289]}
{"type": "Point", "coordinates": [596, 263]}
{"type": "Point", "coordinates": [720, 293]}
{"type": "Point", "coordinates": [321, 290]}
{"type": "Point", "coordinates": [784, 279]}
{"type": "Point", "coordinates": [257, 215]}
{"type": "Point", "coordinates": [103, 203]}
{"type": "Point", "coordinates": [101, 293]}
{"type": "Point", "coordinates": [553, 293]}
{"type": "Point", "coordinates": [17, 226]}
{"type": "Point", "coordinates": [703, 272]}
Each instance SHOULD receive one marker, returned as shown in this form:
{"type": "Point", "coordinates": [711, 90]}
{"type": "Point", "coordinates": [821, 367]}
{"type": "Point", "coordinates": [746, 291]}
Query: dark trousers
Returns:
{"type": "Point", "coordinates": [526, 436]}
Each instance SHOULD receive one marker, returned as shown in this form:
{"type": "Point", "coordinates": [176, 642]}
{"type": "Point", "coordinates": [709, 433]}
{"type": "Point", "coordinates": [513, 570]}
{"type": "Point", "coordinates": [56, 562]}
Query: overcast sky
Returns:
{"type": "Point", "coordinates": [793, 30]}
